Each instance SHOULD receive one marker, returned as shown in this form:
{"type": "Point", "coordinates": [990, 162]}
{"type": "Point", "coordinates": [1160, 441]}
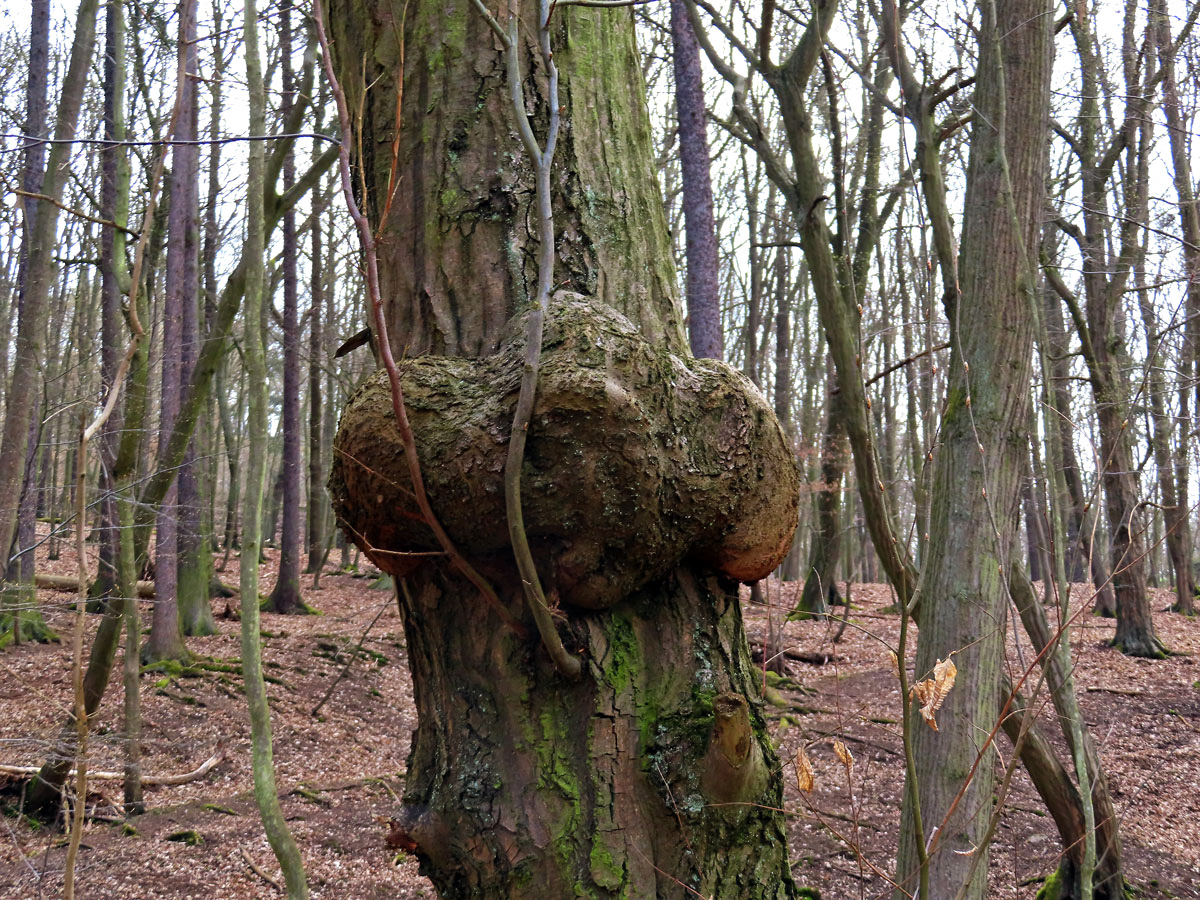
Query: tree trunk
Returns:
{"type": "Point", "coordinates": [652, 775]}
{"type": "Point", "coordinates": [318, 539]}
{"type": "Point", "coordinates": [38, 249]}
{"type": "Point", "coordinates": [703, 302]}
{"type": "Point", "coordinates": [286, 598]}
{"type": "Point", "coordinates": [1082, 549]}
{"type": "Point", "coordinates": [166, 633]}
{"type": "Point", "coordinates": [266, 794]}
{"type": "Point", "coordinates": [194, 566]}
{"type": "Point", "coordinates": [1104, 278]}
{"type": "Point", "coordinates": [1189, 224]}
{"type": "Point", "coordinates": [976, 491]}
{"type": "Point", "coordinates": [820, 590]}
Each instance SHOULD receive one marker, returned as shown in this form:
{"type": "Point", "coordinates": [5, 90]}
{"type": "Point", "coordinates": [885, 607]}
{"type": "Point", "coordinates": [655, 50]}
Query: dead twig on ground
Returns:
{"type": "Point", "coordinates": [196, 774]}
{"type": "Point", "coordinates": [254, 867]}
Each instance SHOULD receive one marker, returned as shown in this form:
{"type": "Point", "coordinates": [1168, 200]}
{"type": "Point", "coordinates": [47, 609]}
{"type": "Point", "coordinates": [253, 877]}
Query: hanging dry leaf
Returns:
{"type": "Point", "coordinates": [843, 753]}
{"type": "Point", "coordinates": [804, 772]}
{"type": "Point", "coordinates": [931, 692]}
{"type": "Point", "coordinates": [895, 662]}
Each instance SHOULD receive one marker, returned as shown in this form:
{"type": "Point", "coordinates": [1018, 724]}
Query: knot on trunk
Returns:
{"type": "Point", "coordinates": [636, 459]}
{"type": "Point", "coordinates": [733, 770]}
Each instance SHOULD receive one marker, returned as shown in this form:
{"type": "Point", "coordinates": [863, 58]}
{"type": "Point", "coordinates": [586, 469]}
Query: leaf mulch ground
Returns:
{"type": "Point", "coordinates": [341, 774]}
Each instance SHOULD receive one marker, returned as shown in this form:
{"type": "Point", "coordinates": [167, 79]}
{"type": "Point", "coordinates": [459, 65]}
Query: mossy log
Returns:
{"type": "Point", "coordinates": [637, 460]}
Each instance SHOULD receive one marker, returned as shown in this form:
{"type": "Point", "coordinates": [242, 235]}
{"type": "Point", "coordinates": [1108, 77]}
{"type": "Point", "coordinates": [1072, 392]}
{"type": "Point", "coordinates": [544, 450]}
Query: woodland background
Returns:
{"type": "Point", "coordinates": [1111, 456]}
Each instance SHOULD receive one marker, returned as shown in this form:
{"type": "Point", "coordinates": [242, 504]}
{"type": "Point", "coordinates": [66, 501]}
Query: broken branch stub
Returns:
{"type": "Point", "coordinates": [637, 459]}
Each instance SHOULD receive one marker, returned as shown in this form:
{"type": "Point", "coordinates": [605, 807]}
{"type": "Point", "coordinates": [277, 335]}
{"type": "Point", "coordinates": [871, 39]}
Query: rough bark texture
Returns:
{"type": "Point", "coordinates": [455, 257]}
{"type": "Point", "coordinates": [973, 522]}
{"type": "Point", "coordinates": [637, 460]}
{"type": "Point", "coordinates": [646, 477]}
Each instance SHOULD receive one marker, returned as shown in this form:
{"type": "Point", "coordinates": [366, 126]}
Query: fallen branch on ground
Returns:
{"type": "Point", "coordinates": [163, 780]}
{"type": "Point", "coordinates": [249, 860]}
{"type": "Point", "coordinates": [145, 589]}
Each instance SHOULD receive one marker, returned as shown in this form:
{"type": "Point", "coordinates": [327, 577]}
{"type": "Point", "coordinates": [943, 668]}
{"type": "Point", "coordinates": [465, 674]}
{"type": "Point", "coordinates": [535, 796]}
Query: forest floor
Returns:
{"type": "Point", "coordinates": [341, 773]}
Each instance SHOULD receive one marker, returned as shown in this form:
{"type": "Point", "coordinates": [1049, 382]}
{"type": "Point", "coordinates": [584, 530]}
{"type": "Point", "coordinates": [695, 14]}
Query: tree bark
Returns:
{"type": "Point", "coordinates": [194, 560]}
{"type": "Point", "coordinates": [976, 491]}
{"type": "Point", "coordinates": [522, 784]}
{"type": "Point", "coordinates": [1189, 226]}
{"type": "Point", "coordinates": [318, 538]}
{"type": "Point", "coordinates": [1082, 549]}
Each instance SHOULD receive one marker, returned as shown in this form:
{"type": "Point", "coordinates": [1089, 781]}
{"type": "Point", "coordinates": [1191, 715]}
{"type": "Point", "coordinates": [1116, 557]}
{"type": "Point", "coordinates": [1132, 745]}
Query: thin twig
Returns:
{"type": "Point", "coordinates": [349, 662]}
{"type": "Point", "coordinates": [541, 159]}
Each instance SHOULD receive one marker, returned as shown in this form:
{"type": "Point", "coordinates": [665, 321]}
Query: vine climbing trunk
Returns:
{"type": "Point", "coordinates": [651, 775]}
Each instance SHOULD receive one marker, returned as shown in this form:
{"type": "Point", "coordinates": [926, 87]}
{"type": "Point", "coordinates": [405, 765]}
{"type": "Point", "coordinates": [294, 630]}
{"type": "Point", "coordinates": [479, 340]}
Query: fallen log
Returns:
{"type": "Point", "coordinates": [145, 589]}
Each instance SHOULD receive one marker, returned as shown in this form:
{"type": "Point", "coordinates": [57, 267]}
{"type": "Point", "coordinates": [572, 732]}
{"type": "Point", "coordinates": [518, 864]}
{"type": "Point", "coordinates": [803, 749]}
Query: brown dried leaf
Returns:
{"type": "Point", "coordinates": [804, 772]}
{"type": "Point", "coordinates": [931, 692]}
{"type": "Point", "coordinates": [844, 754]}
{"type": "Point", "coordinates": [895, 662]}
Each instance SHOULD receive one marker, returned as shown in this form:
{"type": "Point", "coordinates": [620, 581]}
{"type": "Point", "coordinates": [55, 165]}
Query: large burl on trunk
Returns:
{"type": "Point", "coordinates": [652, 482]}
{"type": "Point", "coordinates": [637, 460]}
{"type": "Point", "coordinates": [652, 485]}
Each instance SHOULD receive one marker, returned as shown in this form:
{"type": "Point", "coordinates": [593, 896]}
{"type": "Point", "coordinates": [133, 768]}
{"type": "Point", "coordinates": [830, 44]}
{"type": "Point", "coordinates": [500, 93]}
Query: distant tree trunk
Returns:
{"type": "Point", "coordinates": [1104, 279]}
{"type": "Point", "coordinates": [21, 566]}
{"type": "Point", "coordinates": [703, 299]}
{"type": "Point", "coordinates": [820, 590]}
{"type": "Point", "coordinates": [784, 351]}
{"type": "Point", "coordinates": [1035, 540]}
{"type": "Point", "coordinates": [750, 362]}
{"type": "Point", "coordinates": [212, 244]}
{"type": "Point", "coordinates": [39, 252]}
{"type": "Point", "coordinates": [229, 433]}
{"type": "Point", "coordinates": [943, 851]}
{"type": "Point", "coordinates": [1189, 224]}
{"type": "Point", "coordinates": [317, 498]}
{"type": "Point", "coordinates": [114, 207]}
{"type": "Point", "coordinates": [651, 776]}
{"type": "Point", "coordinates": [25, 622]}
{"type": "Point", "coordinates": [195, 567]}
{"type": "Point", "coordinates": [286, 598]}
{"type": "Point", "coordinates": [1175, 514]}
{"type": "Point", "coordinates": [166, 632]}
{"type": "Point", "coordinates": [1083, 548]}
